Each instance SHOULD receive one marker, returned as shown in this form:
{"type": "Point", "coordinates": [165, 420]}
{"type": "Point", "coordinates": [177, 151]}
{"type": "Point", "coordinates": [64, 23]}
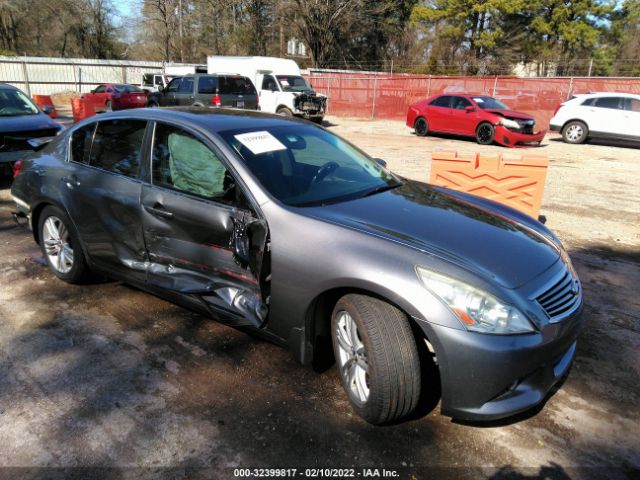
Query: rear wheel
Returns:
{"type": "Point", "coordinates": [376, 357]}
{"type": "Point", "coordinates": [574, 132]}
{"type": "Point", "coordinates": [61, 246]}
{"type": "Point", "coordinates": [485, 133]}
{"type": "Point", "coordinates": [421, 127]}
{"type": "Point", "coordinates": [153, 104]}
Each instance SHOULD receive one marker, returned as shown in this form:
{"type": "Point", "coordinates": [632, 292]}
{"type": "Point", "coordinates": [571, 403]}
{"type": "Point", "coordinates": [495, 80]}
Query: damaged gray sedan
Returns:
{"type": "Point", "coordinates": [278, 226]}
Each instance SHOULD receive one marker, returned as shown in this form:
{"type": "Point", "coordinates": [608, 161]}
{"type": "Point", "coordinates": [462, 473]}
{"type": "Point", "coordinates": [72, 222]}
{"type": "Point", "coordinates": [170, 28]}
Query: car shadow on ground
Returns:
{"type": "Point", "coordinates": [604, 143]}
{"type": "Point", "coordinates": [463, 138]}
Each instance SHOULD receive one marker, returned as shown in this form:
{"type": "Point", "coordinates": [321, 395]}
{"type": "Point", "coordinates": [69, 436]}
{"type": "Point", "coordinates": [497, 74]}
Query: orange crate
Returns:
{"type": "Point", "coordinates": [44, 100]}
{"type": "Point", "coordinates": [81, 109]}
{"type": "Point", "coordinates": [514, 181]}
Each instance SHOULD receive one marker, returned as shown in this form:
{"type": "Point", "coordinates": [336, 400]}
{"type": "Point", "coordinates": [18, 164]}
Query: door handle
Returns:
{"type": "Point", "coordinates": [71, 181]}
{"type": "Point", "coordinates": [159, 211]}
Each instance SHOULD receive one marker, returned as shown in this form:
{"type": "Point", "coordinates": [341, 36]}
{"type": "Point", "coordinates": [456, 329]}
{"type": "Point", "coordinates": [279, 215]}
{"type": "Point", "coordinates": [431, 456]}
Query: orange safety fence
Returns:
{"type": "Point", "coordinates": [81, 109]}
{"type": "Point", "coordinates": [43, 101]}
{"type": "Point", "coordinates": [514, 181]}
{"type": "Point", "coordinates": [389, 96]}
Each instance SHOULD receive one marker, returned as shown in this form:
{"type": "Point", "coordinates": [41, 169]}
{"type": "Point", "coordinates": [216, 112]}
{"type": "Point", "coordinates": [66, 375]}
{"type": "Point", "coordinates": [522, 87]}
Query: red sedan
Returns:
{"type": "Point", "coordinates": [116, 96]}
{"type": "Point", "coordinates": [484, 118]}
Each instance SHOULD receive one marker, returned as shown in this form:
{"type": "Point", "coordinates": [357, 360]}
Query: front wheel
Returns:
{"type": "Point", "coordinates": [485, 133]}
{"type": "Point", "coordinates": [377, 358]}
{"type": "Point", "coordinates": [285, 112]}
{"type": "Point", "coordinates": [61, 246]}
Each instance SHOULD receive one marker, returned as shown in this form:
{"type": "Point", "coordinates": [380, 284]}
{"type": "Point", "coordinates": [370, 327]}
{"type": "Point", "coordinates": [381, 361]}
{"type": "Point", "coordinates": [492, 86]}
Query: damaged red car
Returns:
{"type": "Point", "coordinates": [484, 118]}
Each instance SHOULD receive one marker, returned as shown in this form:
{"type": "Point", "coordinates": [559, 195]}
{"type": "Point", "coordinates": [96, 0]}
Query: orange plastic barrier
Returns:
{"type": "Point", "coordinates": [81, 109]}
{"type": "Point", "coordinates": [45, 100]}
{"type": "Point", "coordinates": [514, 181]}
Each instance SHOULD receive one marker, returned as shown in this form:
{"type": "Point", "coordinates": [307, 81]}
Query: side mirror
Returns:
{"type": "Point", "coordinates": [381, 162]}
{"type": "Point", "coordinates": [48, 109]}
{"type": "Point", "coordinates": [469, 108]}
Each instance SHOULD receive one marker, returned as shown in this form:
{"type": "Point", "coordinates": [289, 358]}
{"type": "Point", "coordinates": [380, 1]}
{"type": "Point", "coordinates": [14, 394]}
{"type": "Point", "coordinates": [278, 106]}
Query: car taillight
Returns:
{"type": "Point", "coordinates": [216, 101]}
{"type": "Point", "coordinates": [557, 108]}
{"type": "Point", "coordinates": [17, 168]}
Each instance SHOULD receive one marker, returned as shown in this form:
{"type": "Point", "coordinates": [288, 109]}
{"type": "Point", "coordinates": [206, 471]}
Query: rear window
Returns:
{"type": "Point", "coordinates": [236, 86]}
{"type": "Point", "coordinates": [207, 84]}
{"type": "Point", "coordinates": [609, 102]}
{"type": "Point", "coordinates": [128, 89]}
{"type": "Point", "coordinates": [117, 145]}
{"type": "Point", "coordinates": [441, 101]}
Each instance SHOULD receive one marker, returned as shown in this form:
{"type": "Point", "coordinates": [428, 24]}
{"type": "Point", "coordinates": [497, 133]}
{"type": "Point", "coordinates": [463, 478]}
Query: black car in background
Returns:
{"type": "Point", "coordinates": [20, 121]}
{"type": "Point", "coordinates": [280, 226]}
{"type": "Point", "coordinates": [206, 90]}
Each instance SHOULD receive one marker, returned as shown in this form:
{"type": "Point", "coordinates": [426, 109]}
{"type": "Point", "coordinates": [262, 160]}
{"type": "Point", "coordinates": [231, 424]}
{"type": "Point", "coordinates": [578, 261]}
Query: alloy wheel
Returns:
{"type": "Point", "coordinates": [352, 357]}
{"type": "Point", "coordinates": [574, 132]}
{"type": "Point", "coordinates": [57, 244]}
{"type": "Point", "coordinates": [484, 133]}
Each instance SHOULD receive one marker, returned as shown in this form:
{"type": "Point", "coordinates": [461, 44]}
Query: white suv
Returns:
{"type": "Point", "coordinates": [614, 116]}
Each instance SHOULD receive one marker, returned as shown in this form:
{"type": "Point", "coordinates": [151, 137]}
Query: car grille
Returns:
{"type": "Point", "coordinates": [561, 297]}
{"type": "Point", "coordinates": [15, 142]}
{"type": "Point", "coordinates": [526, 127]}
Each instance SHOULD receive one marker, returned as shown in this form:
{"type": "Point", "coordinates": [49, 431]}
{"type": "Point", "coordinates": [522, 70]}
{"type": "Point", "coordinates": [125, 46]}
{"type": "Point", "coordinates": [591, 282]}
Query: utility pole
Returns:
{"type": "Point", "coordinates": [590, 67]}
{"type": "Point", "coordinates": [181, 33]}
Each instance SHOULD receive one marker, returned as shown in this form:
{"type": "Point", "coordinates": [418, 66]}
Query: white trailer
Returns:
{"type": "Point", "coordinates": [281, 88]}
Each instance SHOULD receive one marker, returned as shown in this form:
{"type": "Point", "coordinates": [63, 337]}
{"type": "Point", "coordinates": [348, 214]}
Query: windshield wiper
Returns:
{"type": "Point", "coordinates": [382, 188]}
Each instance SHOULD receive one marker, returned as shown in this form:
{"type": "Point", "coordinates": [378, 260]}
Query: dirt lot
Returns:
{"type": "Point", "coordinates": [108, 376]}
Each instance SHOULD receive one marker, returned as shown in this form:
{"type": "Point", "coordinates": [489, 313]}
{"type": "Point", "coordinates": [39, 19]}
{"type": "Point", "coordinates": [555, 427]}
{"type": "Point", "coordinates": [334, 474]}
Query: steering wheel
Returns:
{"type": "Point", "coordinates": [323, 171]}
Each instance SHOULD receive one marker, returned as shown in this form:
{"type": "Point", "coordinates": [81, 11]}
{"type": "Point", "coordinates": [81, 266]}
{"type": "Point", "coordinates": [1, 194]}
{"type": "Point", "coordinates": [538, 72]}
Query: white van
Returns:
{"type": "Point", "coordinates": [281, 88]}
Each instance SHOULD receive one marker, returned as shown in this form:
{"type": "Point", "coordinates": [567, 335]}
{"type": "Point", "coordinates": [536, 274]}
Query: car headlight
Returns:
{"type": "Point", "coordinates": [477, 309]}
{"type": "Point", "coordinates": [509, 123]}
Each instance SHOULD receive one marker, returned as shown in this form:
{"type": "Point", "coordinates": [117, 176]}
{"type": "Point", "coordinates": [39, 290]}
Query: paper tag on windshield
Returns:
{"type": "Point", "coordinates": [284, 83]}
{"type": "Point", "coordinates": [260, 142]}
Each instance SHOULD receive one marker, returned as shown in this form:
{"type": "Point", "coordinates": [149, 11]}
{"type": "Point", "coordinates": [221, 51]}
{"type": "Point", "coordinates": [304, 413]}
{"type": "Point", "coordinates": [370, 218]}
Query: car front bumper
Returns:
{"type": "Point", "coordinates": [488, 377]}
{"type": "Point", "coordinates": [509, 138]}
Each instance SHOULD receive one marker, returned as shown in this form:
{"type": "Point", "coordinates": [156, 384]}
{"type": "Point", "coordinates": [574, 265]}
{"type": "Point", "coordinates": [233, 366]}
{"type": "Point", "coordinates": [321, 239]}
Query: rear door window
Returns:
{"type": "Point", "coordinates": [182, 162]}
{"type": "Point", "coordinates": [236, 86]}
{"type": "Point", "coordinates": [610, 102]}
{"type": "Point", "coordinates": [207, 85]}
{"type": "Point", "coordinates": [81, 144]}
{"type": "Point", "coordinates": [443, 101]}
{"type": "Point", "coordinates": [173, 86]}
{"type": "Point", "coordinates": [117, 145]}
{"type": "Point", "coordinates": [186, 86]}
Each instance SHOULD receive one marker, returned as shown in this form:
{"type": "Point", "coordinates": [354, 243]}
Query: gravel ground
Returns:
{"type": "Point", "coordinates": [111, 378]}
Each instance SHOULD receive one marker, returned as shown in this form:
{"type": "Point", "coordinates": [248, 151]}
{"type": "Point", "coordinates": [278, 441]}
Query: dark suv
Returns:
{"type": "Point", "coordinates": [203, 90]}
{"type": "Point", "coordinates": [20, 121]}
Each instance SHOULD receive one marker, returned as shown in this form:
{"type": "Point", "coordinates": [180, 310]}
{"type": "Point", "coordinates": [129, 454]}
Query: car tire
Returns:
{"type": "Point", "coordinates": [421, 126]}
{"type": "Point", "coordinates": [285, 112]}
{"type": "Point", "coordinates": [109, 106]}
{"type": "Point", "coordinates": [485, 133]}
{"type": "Point", "coordinates": [153, 104]}
{"type": "Point", "coordinates": [378, 362]}
{"type": "Point", "coordinates": [61, 247]}
{"type": "Point", "coordinates": [317, 120]}
{"type": "Point", "coordinates": [575, 132]}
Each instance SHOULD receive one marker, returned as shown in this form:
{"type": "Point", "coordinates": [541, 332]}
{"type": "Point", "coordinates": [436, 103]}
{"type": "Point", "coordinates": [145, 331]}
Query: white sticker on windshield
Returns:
{"type": "Point", "coordinates": [260, 142]}
{"type": "Point", "coordinates": [284, 83]}
{"type": "Point", "coordinates": [478, 100]}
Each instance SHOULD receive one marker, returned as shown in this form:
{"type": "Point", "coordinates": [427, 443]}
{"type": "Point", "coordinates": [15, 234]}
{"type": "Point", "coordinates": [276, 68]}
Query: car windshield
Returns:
{"type": "Point", "coordinates": [128, 89]}
{"type": "Point", "coordinates": [14, 103]}
{"type": "Point", "coordinates": [293, 83]}
{"type": "Point", "coordinates": [303, 165]}
{"type": "Point", "coordinates": [488, 103]}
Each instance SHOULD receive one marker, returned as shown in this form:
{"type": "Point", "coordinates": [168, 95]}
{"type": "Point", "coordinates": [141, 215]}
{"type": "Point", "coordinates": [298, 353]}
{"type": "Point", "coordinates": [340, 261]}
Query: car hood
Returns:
{"type": "Point", "coordinates": [511, 114]}
{"type": "Point", "coordinates": [26, 123]}
{"type": "Point", "coordinates": [417, 215]}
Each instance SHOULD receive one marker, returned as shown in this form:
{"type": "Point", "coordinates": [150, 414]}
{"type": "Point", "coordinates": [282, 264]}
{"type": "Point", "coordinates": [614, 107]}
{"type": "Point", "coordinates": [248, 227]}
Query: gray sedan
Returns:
{"type": "Point", "coordinates": [278, 226]}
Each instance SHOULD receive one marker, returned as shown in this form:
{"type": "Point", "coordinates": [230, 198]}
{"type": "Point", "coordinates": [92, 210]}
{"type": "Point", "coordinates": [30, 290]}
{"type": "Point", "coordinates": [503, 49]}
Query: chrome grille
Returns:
{"type": "Point", "coordinates": [561, 297]}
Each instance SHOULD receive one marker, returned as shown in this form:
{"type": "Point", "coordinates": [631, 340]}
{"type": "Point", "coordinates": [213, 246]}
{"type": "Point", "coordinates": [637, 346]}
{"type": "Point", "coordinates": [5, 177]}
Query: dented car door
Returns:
{"type": "Point", "coordinates": [202, 238]}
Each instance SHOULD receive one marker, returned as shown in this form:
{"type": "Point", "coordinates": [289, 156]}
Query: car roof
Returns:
{"type": "Point", "coordinates": [212, 119]}
{"type": "Point", "coordinates": [606, 94]}
{"type": "Point", "coordinates": [6, 86]}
